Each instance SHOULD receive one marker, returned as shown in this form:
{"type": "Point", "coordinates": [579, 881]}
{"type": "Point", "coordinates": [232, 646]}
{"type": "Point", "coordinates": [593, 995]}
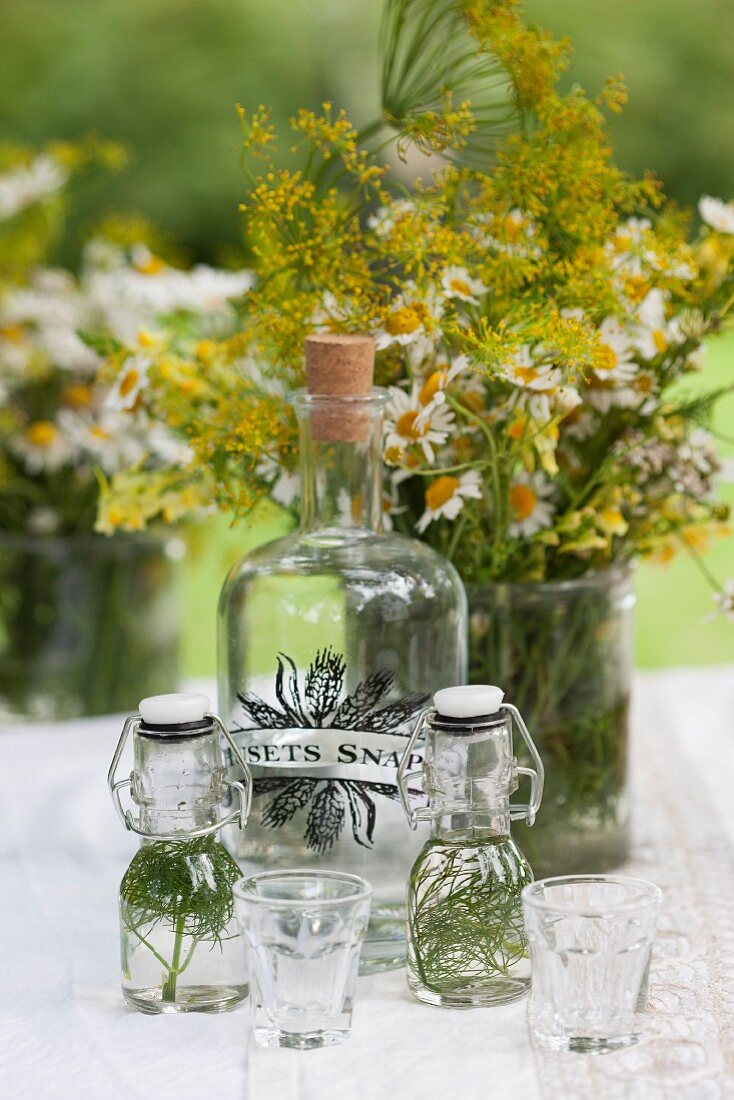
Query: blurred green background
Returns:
{"type": "Point", "coordinates": [164, 77]}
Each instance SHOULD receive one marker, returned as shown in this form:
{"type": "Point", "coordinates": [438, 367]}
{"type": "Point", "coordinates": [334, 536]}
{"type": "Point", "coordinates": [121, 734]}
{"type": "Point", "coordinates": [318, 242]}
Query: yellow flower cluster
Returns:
{"type": "Point", "coordinates": [531, 306]}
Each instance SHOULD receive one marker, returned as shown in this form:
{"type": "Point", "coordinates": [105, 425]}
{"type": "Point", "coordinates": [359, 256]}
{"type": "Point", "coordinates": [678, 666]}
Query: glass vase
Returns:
{"type": "Point", "coordinates": [87, 623]}
{"type": "Point", "coordinates": [563, 653]}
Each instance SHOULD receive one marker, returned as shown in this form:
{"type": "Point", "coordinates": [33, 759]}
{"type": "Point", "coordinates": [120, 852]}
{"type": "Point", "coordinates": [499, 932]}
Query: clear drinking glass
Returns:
{"type": "Point", "coordinates": [590, 939]}
{"type": "Point", "coordinates": [303, 932]}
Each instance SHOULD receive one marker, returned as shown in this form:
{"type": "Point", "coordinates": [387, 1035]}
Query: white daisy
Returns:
{"type": "Point", "coordinates": [411, 319]}
{"type": "Point", "coordinates": [43, 447]}
{"type": "Point", "coordinates": [129, 384]}
{"type": "Point", "coordinates": [446, 495]}
{"type": "Point", "coordinates": [654, 333]}
{"type": "Point", "coordinates": [384, 219]}
{"type": "Point", "coordinates": [566, 399]}
{"type": "Point", "coordinates": [606, 396]}
{"type": "Point", "coordinates": [67, 351]}
{"type": "Point", "coordinates": [719, 215]}
{"type": "Point", "coordinates": [529, 504]}
{"type": "Point", "coordinates": [163, 444]}
{"type": "Point", "coordinates": [629, 249]}
{"type": "Point", "coordinates": [618, 364]}
{"type": "Point", "coordinates": [327, 313]}
{"type": "Point", "coordinates": [409, 422]}
{"type": "Point", "coordinates": [514, 235]}
{"type": "Point", "coordinates": [109, 442]}
{"type": "Point", "coordinates": [458, 283]}
{"type": "Point", "coordinates": [51, 301]}
{"type": "Point", "coordinates": [206, 289]}
{"type": "Point", "coordinates": [24, 186]}
{"type": "Point", "coordinates": [16, 351]}
{"type": "Point", "coordinates": [136, 296]}
{"type": "Point", "coordinates": [435, 385]}
{"type": "Point", "coordinates": [524, 372]}
{"type": "Point", "coordinates": [543, 406]}
{"type": "Point", "coordinates": [284, 485]}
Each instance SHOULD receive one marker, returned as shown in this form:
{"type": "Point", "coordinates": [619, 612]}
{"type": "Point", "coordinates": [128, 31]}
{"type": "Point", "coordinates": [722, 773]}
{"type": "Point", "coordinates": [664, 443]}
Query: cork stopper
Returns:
{"type": "Point", "coordinates": [339, 365]}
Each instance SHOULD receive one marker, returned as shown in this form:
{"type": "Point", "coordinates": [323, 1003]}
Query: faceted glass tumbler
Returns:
{"type": "Point", "coordinates": [303, 932]}
{"type": "Point", "coordinates": [590, 939]}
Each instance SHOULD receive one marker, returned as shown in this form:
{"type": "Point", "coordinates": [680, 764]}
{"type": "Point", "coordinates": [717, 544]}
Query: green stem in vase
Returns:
{"type": "Point", "coordinates": [182, 888]}
{"type": "Point", "coordinates": [169, 987]}
{"type": "Point", "coordinates": [561, 653]}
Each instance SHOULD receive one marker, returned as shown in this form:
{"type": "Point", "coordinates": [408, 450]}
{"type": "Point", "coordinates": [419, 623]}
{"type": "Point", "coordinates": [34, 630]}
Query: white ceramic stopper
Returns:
{"type": "Point", "coordinates": [468, 701]}
{"type": "Point", "coordinates": [169, 710]}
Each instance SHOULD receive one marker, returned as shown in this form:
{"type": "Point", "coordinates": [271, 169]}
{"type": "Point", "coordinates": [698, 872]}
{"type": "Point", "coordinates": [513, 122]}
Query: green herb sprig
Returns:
{"type": "Point", "coordinates": [185, 884]}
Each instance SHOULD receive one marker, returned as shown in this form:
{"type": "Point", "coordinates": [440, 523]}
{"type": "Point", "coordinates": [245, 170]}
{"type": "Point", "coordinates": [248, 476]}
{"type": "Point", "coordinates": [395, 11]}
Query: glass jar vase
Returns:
{"type": "Point", "coordinates": [563, 652]}
{"type": "Point", "coordinates": [86, 623]}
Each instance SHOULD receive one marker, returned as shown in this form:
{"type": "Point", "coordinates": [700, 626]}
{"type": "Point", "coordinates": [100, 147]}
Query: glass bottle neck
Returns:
{"type": "Point", "coordinates": [341, 463]}
{"type": "Point", "coordinates": [162, 820]}
{"type": "Point", "coordinates": [178, 782]}
{"type": "Point", "coordinates": [470, 826]}
{"type": "Point", "coordinates": [470, 773]}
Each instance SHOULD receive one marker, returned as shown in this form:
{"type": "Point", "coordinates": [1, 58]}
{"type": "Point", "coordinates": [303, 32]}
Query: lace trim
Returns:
{"type": "Point", "coordinates": [688, 1049]}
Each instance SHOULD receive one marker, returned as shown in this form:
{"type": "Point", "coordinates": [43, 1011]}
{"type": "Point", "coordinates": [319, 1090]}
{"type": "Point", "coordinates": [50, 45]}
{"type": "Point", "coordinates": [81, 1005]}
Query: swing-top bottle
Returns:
{"type": "Point", "coordinates": [180, 945]}
{"type": "Point", "coordinates": [466, 940]}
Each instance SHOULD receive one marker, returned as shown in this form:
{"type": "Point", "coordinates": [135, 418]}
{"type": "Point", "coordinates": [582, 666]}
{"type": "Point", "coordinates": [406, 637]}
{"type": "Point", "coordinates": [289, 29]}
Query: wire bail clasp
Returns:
{"type": "Point", "coordinates": [242, 788]}
{"type": "Point", "coordinates": [536, 775]}
{"type": "Point", "coordinates": [422, 813]}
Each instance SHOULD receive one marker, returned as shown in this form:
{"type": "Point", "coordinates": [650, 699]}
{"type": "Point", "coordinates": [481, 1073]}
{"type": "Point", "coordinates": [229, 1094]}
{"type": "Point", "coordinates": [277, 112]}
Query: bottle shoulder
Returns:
{"type": "Point", "coordinates": [352, 552]}
{"type": "Point", "coordinates": [203, 863]}
{"type": "Point", "coordinates": [497, 856]}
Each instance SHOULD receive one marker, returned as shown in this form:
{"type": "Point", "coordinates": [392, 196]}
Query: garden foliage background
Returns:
{"type": "Point", "coordinates": [164, 76]}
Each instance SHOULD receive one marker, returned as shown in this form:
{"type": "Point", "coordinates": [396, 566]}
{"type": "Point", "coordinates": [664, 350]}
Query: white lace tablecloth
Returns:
{"type": "Point", "coordinates": [66, 1035]}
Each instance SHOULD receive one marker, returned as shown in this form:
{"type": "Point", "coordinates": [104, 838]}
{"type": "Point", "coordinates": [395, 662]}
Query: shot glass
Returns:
{"type": "Point", "coordinates": [590, 939]}
{"type": "Point", "coordinates": [303, 931]}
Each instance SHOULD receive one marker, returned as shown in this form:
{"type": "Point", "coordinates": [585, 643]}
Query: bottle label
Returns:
{"type": "Point", "coordinates": [331, 753]}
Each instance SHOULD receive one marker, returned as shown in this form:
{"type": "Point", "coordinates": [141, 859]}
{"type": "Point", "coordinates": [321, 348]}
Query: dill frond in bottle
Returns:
{"type": "Point", "coordinates": [466, 940]}
{"type": "Point", "coordinates": [180, 945]}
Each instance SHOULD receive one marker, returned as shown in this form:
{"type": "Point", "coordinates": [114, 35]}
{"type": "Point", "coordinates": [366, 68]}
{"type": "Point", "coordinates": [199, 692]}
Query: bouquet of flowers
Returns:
{"type": "Point", "coordinates": [536, 313]}
{"type": "Point", "coordinates": [70, 420]}
{"type": "Point", "coordinates": [533, 308]}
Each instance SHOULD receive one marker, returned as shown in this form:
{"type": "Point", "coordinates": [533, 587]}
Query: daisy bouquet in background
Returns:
{"type": "Point", "coordinates": [71, 419]}
{"type": "Point", "coordinates": [537, 313]}
{"type": "Point", "coordinates": [72, 414]}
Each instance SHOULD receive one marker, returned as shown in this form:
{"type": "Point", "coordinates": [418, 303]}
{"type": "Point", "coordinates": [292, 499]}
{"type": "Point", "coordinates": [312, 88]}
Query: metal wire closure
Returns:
{"type": "Point", "coordinates": [536, 775]}
{"type": "Point", "coordinates": [423, 813]}
{"type": "Point", "coordinates": [243, 789]}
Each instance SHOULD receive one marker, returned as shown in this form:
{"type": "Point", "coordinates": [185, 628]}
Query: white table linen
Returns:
{"type": "Point", "coordinates": [65, 1033]}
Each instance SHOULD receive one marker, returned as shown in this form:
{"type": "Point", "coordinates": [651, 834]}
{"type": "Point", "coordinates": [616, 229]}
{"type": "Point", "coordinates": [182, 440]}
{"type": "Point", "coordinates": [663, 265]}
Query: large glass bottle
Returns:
{"type": "Point", "coordinates": [329, 640]}
{"type": "Point", "coordinates": [180, 945]}
{"type": "Point", "coordinates": [466, 940]}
